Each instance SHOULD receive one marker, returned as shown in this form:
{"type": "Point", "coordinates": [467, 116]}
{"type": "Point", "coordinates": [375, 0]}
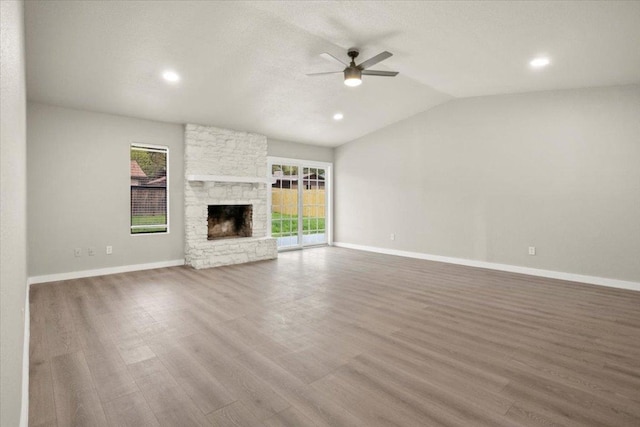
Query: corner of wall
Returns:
{"type": "Point", "coordinates": [24, 413]}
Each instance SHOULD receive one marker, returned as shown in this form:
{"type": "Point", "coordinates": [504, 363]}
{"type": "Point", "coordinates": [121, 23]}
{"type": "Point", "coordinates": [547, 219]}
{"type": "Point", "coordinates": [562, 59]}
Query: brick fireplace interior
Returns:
{"type": "Point", "coordinates": [229, 221]}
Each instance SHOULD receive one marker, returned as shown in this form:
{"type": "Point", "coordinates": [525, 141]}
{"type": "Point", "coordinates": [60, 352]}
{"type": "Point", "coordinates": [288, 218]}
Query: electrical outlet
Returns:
{"type": "Point", "coordinates": [109, 250]}
{"type": "Point", "coordinates": [532, 250]}
{"type": "Point", "coordinates": [92, 251]}
{"type": "Point", "coordinates": [77, 252]}
{"type": "Point", "coordinates": [393, 236]}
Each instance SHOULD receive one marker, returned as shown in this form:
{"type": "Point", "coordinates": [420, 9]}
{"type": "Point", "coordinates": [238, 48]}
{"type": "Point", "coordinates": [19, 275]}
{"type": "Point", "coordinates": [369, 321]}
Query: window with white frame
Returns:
{"type": "Point", "coordinates": [149, 189]}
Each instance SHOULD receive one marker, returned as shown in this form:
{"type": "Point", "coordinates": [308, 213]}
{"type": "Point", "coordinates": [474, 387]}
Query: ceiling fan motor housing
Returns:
{"type": "Point", "coordinates": [352, 73]}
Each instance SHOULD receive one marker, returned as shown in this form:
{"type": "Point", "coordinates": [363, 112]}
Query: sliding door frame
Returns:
{"type": "Point", "coordinates": [328, 185]}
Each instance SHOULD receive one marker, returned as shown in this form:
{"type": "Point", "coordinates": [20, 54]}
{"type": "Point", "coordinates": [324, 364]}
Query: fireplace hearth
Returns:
{"type": "Point", "coordinates": [229, 221]}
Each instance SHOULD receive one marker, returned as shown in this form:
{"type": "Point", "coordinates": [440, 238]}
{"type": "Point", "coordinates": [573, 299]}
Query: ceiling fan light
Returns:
{"type": "Point", "coordinates": [352, 76]}
{"type": "Point", "coordinates": [353, 82]}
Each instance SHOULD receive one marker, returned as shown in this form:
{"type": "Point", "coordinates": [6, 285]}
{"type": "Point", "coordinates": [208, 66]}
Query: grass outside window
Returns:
{"type": "Point", "coordinates": [283, 225]}
{"type": "Point", "coordinates": [148, 220]}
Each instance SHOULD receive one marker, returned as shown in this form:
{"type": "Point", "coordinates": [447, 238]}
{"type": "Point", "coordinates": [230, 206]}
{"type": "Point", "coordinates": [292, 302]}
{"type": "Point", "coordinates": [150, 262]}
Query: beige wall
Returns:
{"type": "Point", "coordinates": [294, 150]}
{"type": "Point", "coordinates": [78, 167]}
{"type": "Point", "coordinates": [13, 206]}
{"type": "Point", "coordinates": [484, 178]}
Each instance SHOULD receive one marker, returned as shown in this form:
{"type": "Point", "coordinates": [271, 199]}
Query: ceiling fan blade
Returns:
{"type": "Point", "coordinates": [379, 73]}
{"type": "Point", "coordinates": [373, 61]}
{"type": "Point", "coordinates": [321, 74]}
{"type": "Point", "coordinates": [333, 58]}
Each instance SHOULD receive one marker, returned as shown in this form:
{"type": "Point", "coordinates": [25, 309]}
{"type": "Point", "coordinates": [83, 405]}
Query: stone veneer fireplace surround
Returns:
{"type": "Point", "coordinates": [225, 167]}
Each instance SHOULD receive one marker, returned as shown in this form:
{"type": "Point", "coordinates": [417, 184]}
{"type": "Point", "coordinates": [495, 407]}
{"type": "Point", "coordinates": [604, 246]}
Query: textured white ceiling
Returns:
{"type": "Point", "coordinates": [243, 64]}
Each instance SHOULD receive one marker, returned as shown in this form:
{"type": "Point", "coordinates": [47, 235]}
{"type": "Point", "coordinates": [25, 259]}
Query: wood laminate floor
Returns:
{"type": "Point", "coordinates": [333, 337]}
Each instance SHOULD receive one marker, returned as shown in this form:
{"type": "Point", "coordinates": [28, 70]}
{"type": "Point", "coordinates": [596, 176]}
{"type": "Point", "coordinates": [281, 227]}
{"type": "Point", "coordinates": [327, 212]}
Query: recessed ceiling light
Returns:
{"type": "Point", "coordinates": [539, 62]}
{"type": "Point", "coordinates": [171, 76]}
{"type": "Point", "coordinates": [337, 116]}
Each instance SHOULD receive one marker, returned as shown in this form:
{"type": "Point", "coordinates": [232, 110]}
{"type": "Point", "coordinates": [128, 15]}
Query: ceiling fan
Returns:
{"type": "Point", "coordinates": [353, 73]}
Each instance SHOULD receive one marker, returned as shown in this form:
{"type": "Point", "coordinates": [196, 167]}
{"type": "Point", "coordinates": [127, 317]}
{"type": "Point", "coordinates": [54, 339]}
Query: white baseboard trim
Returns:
{"type": "Point", "coordinates": [24, 413]}
{"type": "Point", "coordinates": [103, 271]}
{"type": "Point", "coordinates": [593, 280]}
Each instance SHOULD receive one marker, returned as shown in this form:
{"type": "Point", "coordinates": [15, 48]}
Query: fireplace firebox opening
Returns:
{"type": "Point", "coordinates": [229, 221]}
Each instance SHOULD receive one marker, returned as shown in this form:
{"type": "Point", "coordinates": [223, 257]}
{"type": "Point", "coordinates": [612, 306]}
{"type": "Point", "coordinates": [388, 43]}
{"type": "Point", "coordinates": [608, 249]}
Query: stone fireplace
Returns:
{"type": "Point", "coordinates": [225, 197]}
{"type": "Point", "coordinates": [229, 221]}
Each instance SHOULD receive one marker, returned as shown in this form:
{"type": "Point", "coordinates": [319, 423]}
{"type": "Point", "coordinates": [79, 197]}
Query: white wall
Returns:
{"type": "Point", "coordinates": [78, 171]}
{"type": "Point", "coordinates": [294, 150]}
{"type": "Point", "coordinates": [484, 178]}
{"type": "Point", "coordinates": [13, 208]}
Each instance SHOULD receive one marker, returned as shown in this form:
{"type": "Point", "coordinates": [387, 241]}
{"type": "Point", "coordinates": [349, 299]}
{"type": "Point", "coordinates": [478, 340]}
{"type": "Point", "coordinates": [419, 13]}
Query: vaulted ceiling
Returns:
{"type": "Point", "coordinates": [243, 65]}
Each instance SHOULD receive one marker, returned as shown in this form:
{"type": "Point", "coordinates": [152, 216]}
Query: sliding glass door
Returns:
{"type": "Point", "coordinates": [314, 206]}
{"type": "Point", "coordinates": [300, 202]}
{"type": "Point", "coordinates": [284, 204]}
